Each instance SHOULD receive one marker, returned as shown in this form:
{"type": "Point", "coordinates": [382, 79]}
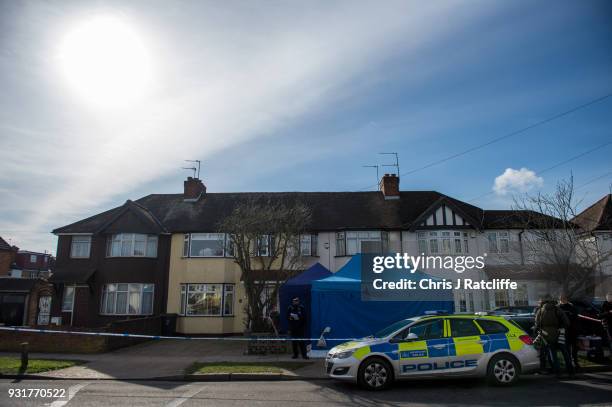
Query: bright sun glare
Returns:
{"type": "Point", "coordinates": [105, 62]}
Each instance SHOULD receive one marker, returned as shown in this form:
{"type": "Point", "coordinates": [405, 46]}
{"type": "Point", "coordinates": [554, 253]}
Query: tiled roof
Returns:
{"type": "Point", "coordinates": [330, 211]}
{"type": "Point", "coordinates": [4, 245]}
{"type": "Point", "coordinates": [597, 216]}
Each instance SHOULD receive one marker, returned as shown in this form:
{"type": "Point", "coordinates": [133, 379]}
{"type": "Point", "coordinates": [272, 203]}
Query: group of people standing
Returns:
{"type": "Point", "coordinates": [556, 324]}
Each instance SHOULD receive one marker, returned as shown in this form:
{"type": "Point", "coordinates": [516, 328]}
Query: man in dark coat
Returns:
{"type": "Point", "coordinates": [550, 321]}
{"type": "Point", "coordinates": [296, 315]}
{"type": "Point", "coordinates": [571, 337]}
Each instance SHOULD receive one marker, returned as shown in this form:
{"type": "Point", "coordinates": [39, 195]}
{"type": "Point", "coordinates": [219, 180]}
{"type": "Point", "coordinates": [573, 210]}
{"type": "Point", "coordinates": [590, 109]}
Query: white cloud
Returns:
{"type": "Point", "coordinates": [523, 180]}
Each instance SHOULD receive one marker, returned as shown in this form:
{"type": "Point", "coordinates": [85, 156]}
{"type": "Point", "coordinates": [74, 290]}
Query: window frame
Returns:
{"type": "Point", "coordinates": [86, 240]}
{"type": "Point", "coordinates": [66, 287]}
{"type": "Point", "coordinates": [501, 239]}
{"type": "Point", "coordinates": [191, 239]}
{"type": "Point", "coordinates": [223, 294]}
{"type": "Point", "coordinates": [472, 320]}
{"type": "Point", "coordinates": [312, 242]}
{"type": "Point", "coordinates": [120, 238]}
{"type": "Point", "coordinates": [443, 242]}
{"type": "Point", "coordinates": [344, 238]}
{"type": "Point", "coordinates": [104, 299]}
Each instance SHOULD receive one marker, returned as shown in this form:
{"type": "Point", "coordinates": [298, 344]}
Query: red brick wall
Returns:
{"type": "Point", "coordinates": [6, 258]}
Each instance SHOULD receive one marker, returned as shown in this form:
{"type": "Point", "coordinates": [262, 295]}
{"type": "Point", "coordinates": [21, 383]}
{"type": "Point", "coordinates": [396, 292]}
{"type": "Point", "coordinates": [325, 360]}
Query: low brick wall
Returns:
{"type": "Point", "coordinates": [74, 343]}
{"type": "Point", "coordinates": [267, 347]}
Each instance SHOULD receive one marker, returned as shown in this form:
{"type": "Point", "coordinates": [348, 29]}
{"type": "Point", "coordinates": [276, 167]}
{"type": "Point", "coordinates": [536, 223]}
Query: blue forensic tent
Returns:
{"type": "Point", "coordinates": [299, 286]}
{"type": "Point", "coordinates": [336, 302]}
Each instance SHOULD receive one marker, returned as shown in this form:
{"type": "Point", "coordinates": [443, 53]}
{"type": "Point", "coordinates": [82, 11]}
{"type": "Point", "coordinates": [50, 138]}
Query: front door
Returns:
{"type": "Point", "coordinates": [44, 309]}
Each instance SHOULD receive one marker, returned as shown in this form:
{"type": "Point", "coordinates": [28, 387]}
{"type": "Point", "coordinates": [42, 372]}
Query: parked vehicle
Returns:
{"type": "Point", "coordinates": [436, 345]}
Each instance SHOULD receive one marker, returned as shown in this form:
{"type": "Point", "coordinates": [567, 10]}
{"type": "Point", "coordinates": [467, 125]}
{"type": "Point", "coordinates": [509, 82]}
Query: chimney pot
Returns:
{"type": "Point", "coordinates": [389, 186]}
{"type": "Point", "coordinates": [194, 189]}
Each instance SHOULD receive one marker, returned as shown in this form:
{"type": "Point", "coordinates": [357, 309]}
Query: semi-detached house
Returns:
{"type": "Point", "coordinates": [164, 253]}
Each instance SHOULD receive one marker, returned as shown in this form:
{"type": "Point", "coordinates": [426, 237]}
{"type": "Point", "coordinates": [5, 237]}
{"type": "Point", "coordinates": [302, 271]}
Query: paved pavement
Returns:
{"type": "Point", "coordinates": [590, 389]}
{"type": "Point", "coordinates": [164, 358]}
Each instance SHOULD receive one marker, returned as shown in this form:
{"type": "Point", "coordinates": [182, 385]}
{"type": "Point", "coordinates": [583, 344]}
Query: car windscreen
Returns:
{"type": "Point", "coordinates": [383, 333]}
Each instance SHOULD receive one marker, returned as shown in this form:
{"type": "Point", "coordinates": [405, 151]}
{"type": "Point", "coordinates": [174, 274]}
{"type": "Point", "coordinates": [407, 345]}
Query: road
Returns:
{"type": "Point", "coordinates": [592, 389]}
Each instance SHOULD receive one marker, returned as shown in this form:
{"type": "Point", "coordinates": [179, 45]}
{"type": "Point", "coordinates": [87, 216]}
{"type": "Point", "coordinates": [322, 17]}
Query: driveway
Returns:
{"type": "Point", "coordinates": [160, 358]}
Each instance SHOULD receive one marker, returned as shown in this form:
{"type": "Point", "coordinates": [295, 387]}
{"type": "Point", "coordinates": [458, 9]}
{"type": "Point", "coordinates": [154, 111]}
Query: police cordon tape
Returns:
{"type": "Point", "coordinates": [206, 338]}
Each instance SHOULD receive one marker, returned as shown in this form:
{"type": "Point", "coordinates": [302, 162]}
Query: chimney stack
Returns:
{"type": "Point", "coordinates": [389, 186]}
{"type": "Point", "coordinates": [194, 189]}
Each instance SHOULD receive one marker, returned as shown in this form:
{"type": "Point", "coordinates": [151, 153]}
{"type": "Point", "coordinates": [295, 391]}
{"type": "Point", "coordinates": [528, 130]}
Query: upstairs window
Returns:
{"type": "Point", "coordinates": [33, 258]}
{"type": "Point", "coordinates": [308, 245]}
{"type": "Point", "coordinates": [80, 247]}
{"type": "Point", "coordinates": [350, 243]}
{"type": "Point", "coordinates": [204, 244]}
{"type": "Point", "coordinates": [443, 242]}
{"type": "Point", "coordinates": [131, 245]}
{"type": "Point", "coordinates": [499, 242]}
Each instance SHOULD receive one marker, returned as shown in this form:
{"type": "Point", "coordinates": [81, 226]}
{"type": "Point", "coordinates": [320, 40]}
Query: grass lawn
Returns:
{"type": "Point", "coordinates": [10, 365]}
{"type": "Point", "coordinates": [243, 367]}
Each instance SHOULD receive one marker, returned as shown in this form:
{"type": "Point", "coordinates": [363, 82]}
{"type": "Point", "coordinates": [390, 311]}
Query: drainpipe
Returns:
{"type": "Point", "coordinates": [520, 236]}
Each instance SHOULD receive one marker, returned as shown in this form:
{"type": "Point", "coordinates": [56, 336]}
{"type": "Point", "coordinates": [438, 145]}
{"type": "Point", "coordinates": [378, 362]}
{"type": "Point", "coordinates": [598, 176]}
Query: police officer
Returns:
{"type": "Point", "coordinates": [296, 314]}
{"type": "Point", "coordinates": [550, 320]}
{"type": "Point", "coordinates": [571, 335]}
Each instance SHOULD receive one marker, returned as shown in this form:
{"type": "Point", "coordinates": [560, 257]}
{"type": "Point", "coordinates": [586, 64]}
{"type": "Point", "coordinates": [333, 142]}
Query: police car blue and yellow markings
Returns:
{"type": "Point", "coordinates": [442, 347]}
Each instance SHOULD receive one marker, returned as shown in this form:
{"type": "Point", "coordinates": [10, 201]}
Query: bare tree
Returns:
{"type": "Point", "coordinates": [264, 242]}
{"type": "Point", "coordinates": [555, 246]}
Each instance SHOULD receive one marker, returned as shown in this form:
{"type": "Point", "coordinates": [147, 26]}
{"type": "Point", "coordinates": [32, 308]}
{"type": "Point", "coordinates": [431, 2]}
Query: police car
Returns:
{"type": "Point", "coordinates": [436, 345]}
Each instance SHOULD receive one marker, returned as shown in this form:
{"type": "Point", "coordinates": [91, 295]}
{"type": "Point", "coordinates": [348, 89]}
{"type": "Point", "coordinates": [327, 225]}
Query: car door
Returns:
{"type": "Point", "coordinates": [466, 350]}
{"type": "Point", "coordinates": [423, 354]}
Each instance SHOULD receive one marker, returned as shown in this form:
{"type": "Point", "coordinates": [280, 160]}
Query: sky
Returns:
{"type": "Point", "coordinates": [102, 101]}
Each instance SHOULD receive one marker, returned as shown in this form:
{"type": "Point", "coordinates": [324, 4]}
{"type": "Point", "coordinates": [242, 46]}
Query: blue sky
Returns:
{"type": "Point", "coordinates": [276, 96]}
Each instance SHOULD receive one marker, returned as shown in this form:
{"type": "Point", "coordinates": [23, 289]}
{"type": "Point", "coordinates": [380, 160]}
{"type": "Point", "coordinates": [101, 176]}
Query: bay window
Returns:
{"type": "Point", "coordinates": [350, 243]}
{"type": "Point", "coordinates": [127, 299]}
{"type": "Point", "coordinates": [207, 299]}
{"type": "Point", "coordinates": [80, 247]}
{"type": "Point", "coordinates": [131, 245]}
{"type": "Point", "coordinates": [443, 242]}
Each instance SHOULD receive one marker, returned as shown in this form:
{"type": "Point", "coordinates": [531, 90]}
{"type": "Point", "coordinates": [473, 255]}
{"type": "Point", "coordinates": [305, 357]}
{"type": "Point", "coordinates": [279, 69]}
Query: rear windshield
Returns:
{"type": "Point", "coordinates": [492, 327]}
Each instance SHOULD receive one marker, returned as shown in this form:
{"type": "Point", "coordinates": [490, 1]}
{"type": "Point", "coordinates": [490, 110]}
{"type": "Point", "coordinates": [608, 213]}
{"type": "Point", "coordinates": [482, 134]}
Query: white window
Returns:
{"type": "Point", "coordinates": [68, 299]}
{"type": "Point", "coordinates": [207, 299]}
{"type": "Point", "coordinates": [350, 243]}
{"type": "Point", "coordinates": [127, 299]}
{"type": "Point", "coordinates": [131, 245]}
{"type": "Point", "coordinates": [80, 247]}
{"type": "Point", "coordinates": [340, 244]}
{"type": "Point", "coordinates": [499, 242]}
{"type": "Point", "coordinates": [308, 245]}
{"type": "Point", "coordinates": [263, 245]}
{"type": "Point", "coordinates": [207, 245]}
{"type": "Point", "coordinates": [442, 242]}
{"type": "Point", "coordinates": [33, 258]}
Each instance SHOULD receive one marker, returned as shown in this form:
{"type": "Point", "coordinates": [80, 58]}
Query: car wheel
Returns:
{"type": "Point", "coordinates": [503, 370]}
{"type": "Point", "coordinates": [375, 374]}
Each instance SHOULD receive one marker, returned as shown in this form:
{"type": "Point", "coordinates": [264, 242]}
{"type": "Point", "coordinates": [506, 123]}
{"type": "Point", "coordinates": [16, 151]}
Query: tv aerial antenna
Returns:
{"type": "Point", "coordinates": [196, 171]}
{"type": "Point", "coordinates": [373, 166]}
{"type": "Point", "coordinates": [396, 165]}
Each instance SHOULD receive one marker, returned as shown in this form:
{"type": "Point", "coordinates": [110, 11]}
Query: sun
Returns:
{"type": "Point", "coordinates": [104, 61]}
